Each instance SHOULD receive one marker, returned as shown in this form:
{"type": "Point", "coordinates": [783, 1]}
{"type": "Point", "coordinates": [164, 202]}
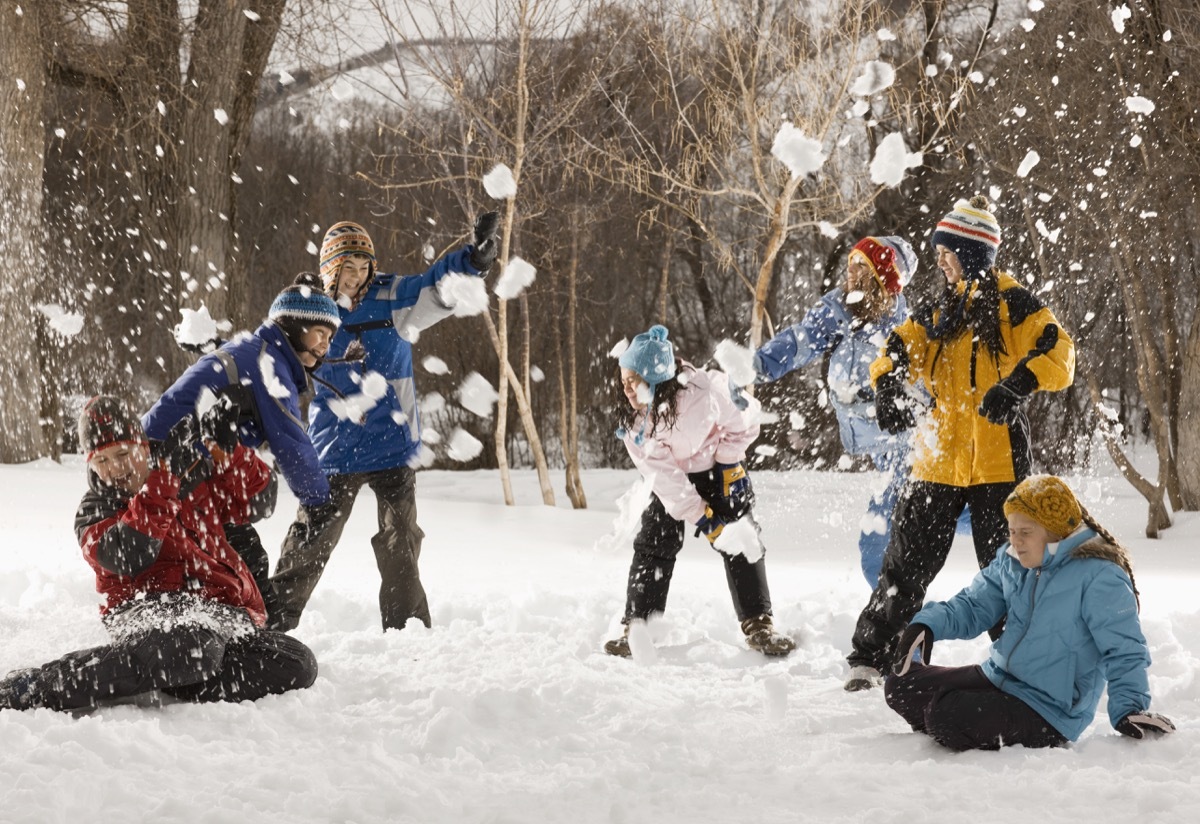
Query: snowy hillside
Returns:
{"type": "Point", "coordinates": [508, 711]}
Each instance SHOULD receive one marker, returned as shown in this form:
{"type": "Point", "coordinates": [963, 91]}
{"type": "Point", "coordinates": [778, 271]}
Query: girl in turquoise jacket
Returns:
{"type": "Point", "coordinates": [1067, 588]}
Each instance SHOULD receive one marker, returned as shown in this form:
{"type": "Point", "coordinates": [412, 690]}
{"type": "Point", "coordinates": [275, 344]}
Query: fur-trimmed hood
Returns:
{"type": "Point", "coordinates": [1098, 546]}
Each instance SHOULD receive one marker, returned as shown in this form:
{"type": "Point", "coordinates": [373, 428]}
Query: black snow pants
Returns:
{"type": "Point", "coordinates": [185, 646]}
{"type": "Point", "coordinates": [922, 532]}
{"type": "Point", "coordinates": [660, 539]}
{"type": "Point", "coordinates": [961, 709]}
{"type": "Point", "coordinates": [397, 545]}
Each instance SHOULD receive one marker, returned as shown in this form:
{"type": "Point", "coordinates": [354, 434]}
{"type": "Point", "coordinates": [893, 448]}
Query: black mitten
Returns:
{"type": "Point", "coordinates": [1002, 403]}
{"type": "Point", "coordinates": [916, 638]}
{"type": "Point", "coordinates": [487, 243]}
{"type": "Point", "coordinates": [893, 406]}
{"type": "Point", "coordinates": [182, 456]}
{"type": "Point", "coordinates": [219, 424]}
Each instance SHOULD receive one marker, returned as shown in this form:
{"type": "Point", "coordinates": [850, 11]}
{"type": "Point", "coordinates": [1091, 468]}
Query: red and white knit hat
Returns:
{"type": "Point", "coordinates": [891, 258]}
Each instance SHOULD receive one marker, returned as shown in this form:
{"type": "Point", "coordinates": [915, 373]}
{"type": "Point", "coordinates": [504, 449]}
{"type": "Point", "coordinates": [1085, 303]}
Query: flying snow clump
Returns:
{"type": "Point", "coordinates": [736, 361]}
{"type": "Point", "coordinates": [1139, 104]}
{"type": "Point", "coordinates": [463, 446]}
{"type": "Point", "coordinates": [67, 324]}
{"type": "Point", "coordinates": [435, 366]}
{"type": "Point", "coordinates": [518, 274]}
{"type": "Point", "coordinates": [476, 395]}
{"type": "Point", "coordinates": [1119, 15]}
{"type": "Point", "coordinates": [197, 327]}
{"type": "Point", "coordinates": [466, 293]}
{"type": "Point", "coordinates": [1032, 159]}
{"type": "Point", "coordinates": [800, 153]}
{"type": "Point", "coordinates": [876, 77]}
{"type": "Point", "coordinates": [892, 158]}
{"type": "Point", "coordinates": [500, 183]}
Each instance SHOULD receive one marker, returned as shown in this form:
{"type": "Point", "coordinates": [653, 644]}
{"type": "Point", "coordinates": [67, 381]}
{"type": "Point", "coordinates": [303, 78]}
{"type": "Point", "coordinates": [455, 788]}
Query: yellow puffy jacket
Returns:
{"type": "Point", "coordinates": [955, 445]}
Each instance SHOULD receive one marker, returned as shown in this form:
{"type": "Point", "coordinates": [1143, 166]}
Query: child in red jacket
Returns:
{"type": "Point", "coordinates": [182, 608]}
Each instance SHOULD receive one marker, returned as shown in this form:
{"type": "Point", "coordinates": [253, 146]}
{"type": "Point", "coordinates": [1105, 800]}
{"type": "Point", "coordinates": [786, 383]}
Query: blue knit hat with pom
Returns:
{"type": "Point", "coordinates": [304, 304]}
{"type": "Point", "coordinates": [651, 356]}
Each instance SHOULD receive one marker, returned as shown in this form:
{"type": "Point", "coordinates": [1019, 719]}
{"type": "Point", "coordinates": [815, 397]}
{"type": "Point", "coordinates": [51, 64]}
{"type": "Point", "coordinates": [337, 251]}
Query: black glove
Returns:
{"type": "Point", "coordinates": [181, 453]}
{"type": "Point", "coordinates": [916, 638]}
{"type": "Point", "coordinates": [219, 425]}
{"type": "Point", "coordinates": [1137, 724]}
{"type": "Point", "coordinates": [1002, 403]}
{"type": "Point", "coordinates": [893, 406]}
{"type": "Point", "coordinates": [487, 244]}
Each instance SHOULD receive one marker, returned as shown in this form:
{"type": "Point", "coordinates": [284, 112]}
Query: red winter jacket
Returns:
{"type": "Point", "coordinates": [161, 541]}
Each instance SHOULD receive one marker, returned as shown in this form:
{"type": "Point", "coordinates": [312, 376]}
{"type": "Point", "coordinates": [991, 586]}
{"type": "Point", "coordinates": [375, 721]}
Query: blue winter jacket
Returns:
{"type": "Point", "coordinates": [1072, 626]}
{"type": "Point", "coordinates": [392, 312]}
{"type": "Point", "coordinates": [828, 326]}
{"type": "Point", "coordinates": [265, 364]}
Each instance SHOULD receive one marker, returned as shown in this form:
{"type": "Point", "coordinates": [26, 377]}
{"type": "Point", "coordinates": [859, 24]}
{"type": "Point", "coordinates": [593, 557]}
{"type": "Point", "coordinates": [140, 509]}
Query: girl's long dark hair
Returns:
{"type": "Point", "coordinates": [663, 409]}
{"type": "Point", "coordinates": [1124, 563]}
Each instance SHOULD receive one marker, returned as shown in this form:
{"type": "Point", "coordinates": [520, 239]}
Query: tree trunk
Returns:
{"type": "Point", "coordinates": [22, 159]}
{"type": "Point", "coordinates": [1189, 420]}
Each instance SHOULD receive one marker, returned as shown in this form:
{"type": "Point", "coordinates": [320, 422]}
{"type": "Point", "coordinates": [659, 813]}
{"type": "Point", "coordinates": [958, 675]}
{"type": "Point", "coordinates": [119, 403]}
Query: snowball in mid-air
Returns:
{"type": "Point", "coordinates": [435, 366]}
{"type": "Point", "coordinates": [463, 446]}
{"type": "Point", "coordinates": [876, 77]}
{"type": "Point", "coordinates": [1032, 159]}
{"type": "Point", "coordinates": [892, 158]}
{"type": "Point", "coordinates": [736, 361]}
{"type": "Point", "coordinates": [476, 395]}
{"type": "Point", "coordinates": [518, 274]}
{"type": "Point", "coordinates": [500, 183]}
{"type": "Point", "coordinates": [1139, 104]}
{"type": "Point", "coordinates": [67, 324]}
{"type": "Point", "coordinates": [466, 293]}
{"type": "Point", "coordinates": [799, 152]}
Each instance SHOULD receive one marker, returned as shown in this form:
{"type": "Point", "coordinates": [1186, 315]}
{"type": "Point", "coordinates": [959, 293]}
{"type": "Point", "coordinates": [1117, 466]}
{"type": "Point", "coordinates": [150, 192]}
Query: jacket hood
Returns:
{"type": "Point", "coordinates": [1085, 542]}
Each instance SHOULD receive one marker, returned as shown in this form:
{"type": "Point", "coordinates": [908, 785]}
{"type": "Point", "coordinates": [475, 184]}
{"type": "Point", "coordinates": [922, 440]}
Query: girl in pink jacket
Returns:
{"type": "Point", "coordinates": [684, 432]}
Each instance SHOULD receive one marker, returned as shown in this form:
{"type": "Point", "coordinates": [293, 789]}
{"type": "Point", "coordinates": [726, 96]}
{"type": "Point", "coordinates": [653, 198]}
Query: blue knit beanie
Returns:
{"type": "Point", "coordinates": [651, 356]}
{"type": "Point", "coordinates": [971, 232]}
{"type": "Point", "coordinates": [304, 304]}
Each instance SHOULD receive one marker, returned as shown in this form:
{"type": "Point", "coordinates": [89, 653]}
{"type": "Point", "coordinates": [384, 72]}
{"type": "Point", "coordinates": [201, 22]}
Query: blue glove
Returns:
{"type": "Point", "coordinates": [738, 396]}
{"type": "Point", "coordinates": [709, 525]}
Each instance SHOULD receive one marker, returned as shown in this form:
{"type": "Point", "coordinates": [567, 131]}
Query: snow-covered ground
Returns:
{"type": "Point", "coordinates": [508, 711]}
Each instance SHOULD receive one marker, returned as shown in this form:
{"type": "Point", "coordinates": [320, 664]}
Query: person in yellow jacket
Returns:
{"type": "Point", "coordinates": [980, 353]}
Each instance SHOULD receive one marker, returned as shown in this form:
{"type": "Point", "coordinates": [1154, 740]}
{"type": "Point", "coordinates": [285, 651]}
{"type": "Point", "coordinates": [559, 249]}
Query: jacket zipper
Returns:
{"type": "Point", "coordinates": [1037, 577]}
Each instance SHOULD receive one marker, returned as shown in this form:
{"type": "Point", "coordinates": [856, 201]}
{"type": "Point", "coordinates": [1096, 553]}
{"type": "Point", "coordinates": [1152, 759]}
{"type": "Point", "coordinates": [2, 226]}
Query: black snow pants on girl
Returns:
{"type": "Point", "coordinates": [660, 539]}
{"type": "Point", "coordinates": [959, 708]}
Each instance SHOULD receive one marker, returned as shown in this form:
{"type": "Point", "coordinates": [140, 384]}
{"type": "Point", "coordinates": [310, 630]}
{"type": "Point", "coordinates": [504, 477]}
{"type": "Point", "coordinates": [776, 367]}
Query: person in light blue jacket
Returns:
{"type": "Point", "coordinates": [1067, 588]}
{"type": "Point", "coordinates": [850, 324]}
{"type": "Point", "coordinates": [364, 421]}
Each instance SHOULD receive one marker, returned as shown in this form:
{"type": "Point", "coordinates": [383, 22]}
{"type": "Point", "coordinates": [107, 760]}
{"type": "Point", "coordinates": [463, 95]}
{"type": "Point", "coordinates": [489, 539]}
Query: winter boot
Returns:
{"type": "Point", "coordinates": [20, 690]}
{"type": "Point", "coordinates": [619, 646]}
{"type": "Point", "coordinates": [761, 635]}
{"type": "Point", "coordinates": [863, 678]}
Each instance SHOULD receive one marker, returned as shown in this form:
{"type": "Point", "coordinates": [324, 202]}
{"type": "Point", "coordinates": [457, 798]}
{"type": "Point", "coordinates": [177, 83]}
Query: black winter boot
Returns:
{"type": "Point", "coordinates": [619, 646]}
{"type": "Point", "coordinates": [21, 690]}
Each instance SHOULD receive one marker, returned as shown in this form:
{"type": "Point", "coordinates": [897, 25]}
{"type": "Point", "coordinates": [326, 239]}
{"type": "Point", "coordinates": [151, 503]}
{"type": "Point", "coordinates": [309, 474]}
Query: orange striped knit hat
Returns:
{"type": "Point", "coordinates": [342, 240]}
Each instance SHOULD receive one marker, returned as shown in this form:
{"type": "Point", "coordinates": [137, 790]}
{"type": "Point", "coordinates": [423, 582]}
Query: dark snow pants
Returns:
{"type": "Point", "coordinates": [660, 539]}
{"type": "Point", "coordinates": [397, 546]}
{"type": "Point", "coordinates": [959, 708]}
{"type": "Point", "coordinates": [246, 542]}
{"type": "Point", "coordinates": [924, 527]}
{"type": "Point", "coordinates": [214, 655]}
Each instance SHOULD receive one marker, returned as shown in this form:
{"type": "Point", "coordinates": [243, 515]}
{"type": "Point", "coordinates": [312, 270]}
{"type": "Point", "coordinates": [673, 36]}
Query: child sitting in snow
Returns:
{"type": "Point", "coordinates": [1067, 588]}
{"type": "Point", "coordinates": [181, 607]}
{"type": "Point", "coordinates": [684, 432]}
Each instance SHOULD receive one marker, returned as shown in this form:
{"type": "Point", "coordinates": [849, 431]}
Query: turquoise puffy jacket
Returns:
{"type": "Point", "coordinates": [1072, 627]}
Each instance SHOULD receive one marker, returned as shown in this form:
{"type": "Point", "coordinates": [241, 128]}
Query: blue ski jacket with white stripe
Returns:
{"type": "Point", "coordinates": [371, 422]}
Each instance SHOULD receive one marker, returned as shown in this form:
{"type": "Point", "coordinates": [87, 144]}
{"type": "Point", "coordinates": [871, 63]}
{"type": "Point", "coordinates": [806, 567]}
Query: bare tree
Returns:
{"type": "Point", "coordinates": [22, 97]}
